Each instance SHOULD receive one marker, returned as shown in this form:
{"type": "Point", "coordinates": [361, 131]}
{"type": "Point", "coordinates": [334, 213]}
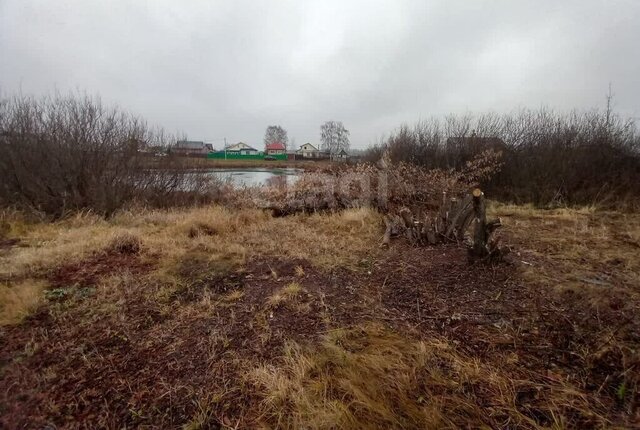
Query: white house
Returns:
{"type": "Point", "coordinates": [242, 149]}
{"type": "Point", "coordinates": [308, 151]}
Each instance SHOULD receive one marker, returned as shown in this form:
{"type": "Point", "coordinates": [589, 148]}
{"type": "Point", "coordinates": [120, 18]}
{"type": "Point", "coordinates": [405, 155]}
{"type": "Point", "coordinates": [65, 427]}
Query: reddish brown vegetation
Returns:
{"type": "Point", "coordinates": [145, 362]}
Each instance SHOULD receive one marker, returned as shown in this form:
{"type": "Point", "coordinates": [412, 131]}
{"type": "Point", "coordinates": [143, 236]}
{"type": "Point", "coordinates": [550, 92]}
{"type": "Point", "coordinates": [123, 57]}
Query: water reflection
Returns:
{"type": "Point", "coordinates": [257, 176]}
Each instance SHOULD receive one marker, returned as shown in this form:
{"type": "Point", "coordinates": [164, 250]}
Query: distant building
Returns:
{"type": "Point", "coordinates": [154, 150]}
{"type": "Point", "coordinates": [274, 148]}
{"type": "Point", "coordinates": [309, 151]}
{"type": "Point", "coordinates": [341, 156]}
{"type": "Point", "coordinates": [192, 147]}
{"type": "Point", "coordinates": [241, 148]}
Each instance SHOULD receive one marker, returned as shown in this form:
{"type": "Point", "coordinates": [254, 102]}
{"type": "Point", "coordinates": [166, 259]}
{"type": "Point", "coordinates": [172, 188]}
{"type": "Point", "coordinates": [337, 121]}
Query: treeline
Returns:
{"type": "Point", "coordinates": [549, 158]}
{"type": "Point", "coordinates": [63, 153]}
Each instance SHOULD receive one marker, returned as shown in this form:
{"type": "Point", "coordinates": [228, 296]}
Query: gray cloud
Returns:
{"type": "Point", "coordinates": [229, 69]}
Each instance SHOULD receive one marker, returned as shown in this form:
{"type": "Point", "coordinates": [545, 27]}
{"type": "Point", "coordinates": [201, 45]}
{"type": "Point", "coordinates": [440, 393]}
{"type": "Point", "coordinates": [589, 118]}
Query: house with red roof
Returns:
{"type": "Point", "coordinates": [274, 148]}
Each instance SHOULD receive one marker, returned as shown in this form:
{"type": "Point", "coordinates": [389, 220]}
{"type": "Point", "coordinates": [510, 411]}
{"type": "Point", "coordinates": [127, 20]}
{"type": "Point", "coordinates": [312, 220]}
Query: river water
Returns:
{"type": "Point", "coordinates": [258, 176]}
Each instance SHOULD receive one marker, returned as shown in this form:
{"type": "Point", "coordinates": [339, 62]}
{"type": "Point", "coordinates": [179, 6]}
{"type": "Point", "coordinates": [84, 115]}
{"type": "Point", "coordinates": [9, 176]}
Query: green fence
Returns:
{"type": "Point", "coordinates": [229, 156]}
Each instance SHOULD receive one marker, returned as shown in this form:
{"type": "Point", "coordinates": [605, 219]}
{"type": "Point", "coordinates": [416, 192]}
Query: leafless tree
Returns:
{"type": "Point", "coordinates": [334, 137]}
{"type": "Point", "coordinates": [61, 153]}
{"type": "Point", "coordinates": [276, 134]}
{"type": "Point", "coordinates": [578, 157]}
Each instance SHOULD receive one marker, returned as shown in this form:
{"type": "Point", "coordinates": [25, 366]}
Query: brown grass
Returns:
{"type": "Point", "coordinates": [192, 244]}
{"type": "Point", "coordinates": [576, 249]}
{"type": "Point", "coordinates": [285, 294]}
{"type": "Point", "coordinates": [19, 299]}
{"type": "Point", "coordinates": [371, 377]}
{"type": "Point", "coordinates": [125, 243]}
{"type": "Point", "coordinates": [215, 317]}
{"type": "Point", "coordinates": [325, 240]}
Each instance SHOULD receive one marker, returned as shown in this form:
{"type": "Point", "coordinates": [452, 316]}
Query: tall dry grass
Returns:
{"type": "Point", "coordinates": [575, 245]}
{"type": "Point", "coordinates": [325, 240]}
{"type": "Point", "coordinates": [17, 300]}
{"type": "Point", "coordinates": [370, 377]}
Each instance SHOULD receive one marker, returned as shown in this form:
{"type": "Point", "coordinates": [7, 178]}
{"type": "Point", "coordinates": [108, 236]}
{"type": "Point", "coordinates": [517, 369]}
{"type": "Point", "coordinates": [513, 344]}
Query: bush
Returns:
{"type": "Point", "coordinates": [61, 154]}
{"type": "Point", "coordinates": [580, 158]}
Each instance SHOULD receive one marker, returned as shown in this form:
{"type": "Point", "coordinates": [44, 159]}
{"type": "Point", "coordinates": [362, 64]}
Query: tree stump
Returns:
{"type": "Point", "coordinates": [450, 224]}
{"type": "Point", "coordinates": [483, 246]}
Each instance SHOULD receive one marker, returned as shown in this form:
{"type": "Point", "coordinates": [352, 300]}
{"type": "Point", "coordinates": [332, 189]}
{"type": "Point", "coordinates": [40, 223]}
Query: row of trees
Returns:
{"type": "Point", "coordinates": [334, 137]}
{"type": "Point", "coordinates": [580, 157]}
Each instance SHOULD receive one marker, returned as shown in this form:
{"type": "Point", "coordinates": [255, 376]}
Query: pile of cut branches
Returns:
{"type": "Point", "coordinates": [385, 186]}
{"type": "Point", "coordinates": [426, 206]}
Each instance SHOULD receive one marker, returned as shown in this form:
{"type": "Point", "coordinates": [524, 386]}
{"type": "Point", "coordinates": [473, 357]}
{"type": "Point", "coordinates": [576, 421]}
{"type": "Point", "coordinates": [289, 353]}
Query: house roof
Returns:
{"type": "Point", "coordinates": [308, 144]}
{"type": "Point", "coordinates": [240, 146]}
{"type": "Point", "coordinates": [189, 144]}
{"type": "Point", "coordinates": [274, 146]}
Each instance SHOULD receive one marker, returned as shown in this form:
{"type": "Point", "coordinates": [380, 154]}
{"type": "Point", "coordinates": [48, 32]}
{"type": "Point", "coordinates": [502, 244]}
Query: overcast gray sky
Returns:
{"type": "Point", "coordinates": [214, 69]}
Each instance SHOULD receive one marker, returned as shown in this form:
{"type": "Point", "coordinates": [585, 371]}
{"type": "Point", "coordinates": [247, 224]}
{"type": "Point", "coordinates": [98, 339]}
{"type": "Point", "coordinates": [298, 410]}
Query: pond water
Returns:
{"type": "Point", "coordinates": [258, 176]}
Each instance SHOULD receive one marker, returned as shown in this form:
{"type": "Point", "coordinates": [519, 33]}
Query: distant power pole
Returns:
{"type": "Point", "coordinates": [217, 139]}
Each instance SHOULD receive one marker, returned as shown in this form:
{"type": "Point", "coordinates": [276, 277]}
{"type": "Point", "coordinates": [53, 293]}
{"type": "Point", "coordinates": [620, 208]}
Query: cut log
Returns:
{"type": "Point", "coordinates": [458, 218]}
{"type": "Point", "coordinates": [451, 222]}
{"type": "Point", "coordinates": [407, 217]}
{"type": "Point", "coordinates": [484, 246]}
{"type": "Point", "coordinates": [387, 233]}
{"type": "Point", "coordinates": [394, 226]}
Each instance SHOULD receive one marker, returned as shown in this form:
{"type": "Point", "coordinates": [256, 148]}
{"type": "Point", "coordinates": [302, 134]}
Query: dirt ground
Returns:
{"type": "Point", "coordinates": [548, 338]}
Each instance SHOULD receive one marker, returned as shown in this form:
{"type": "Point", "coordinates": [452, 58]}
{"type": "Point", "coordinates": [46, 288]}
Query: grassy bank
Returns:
{"type": "Point", "coordinates": [210, 317]}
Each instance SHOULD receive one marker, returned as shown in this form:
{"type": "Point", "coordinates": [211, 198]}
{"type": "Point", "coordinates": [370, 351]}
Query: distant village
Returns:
{"type": "Point", "coordinates": [243, 151]}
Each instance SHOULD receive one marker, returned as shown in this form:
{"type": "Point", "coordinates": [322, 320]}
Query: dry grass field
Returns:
{"type": "Point", "coordinates": [219, 318]}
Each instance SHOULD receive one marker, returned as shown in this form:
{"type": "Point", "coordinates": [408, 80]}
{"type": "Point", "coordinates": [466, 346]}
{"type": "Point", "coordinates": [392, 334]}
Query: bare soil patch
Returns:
{"type": "Point", "coordinates": [88, 272]}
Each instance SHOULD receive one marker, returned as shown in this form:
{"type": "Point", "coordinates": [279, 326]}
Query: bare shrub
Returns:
{"type": "Point", "coordinates": [589, 157]}
{"type": "Point", "coordinates": [60, 154]}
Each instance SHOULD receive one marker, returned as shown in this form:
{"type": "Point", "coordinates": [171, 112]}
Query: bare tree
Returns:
{"type": "Point", "coordinates": [59, 154]}
{"type": "Point", "coordinates": [549, 157]}
{"type": "Point", "coordinates": [276, 134]}
{"type": "Point", "coordinates": [334, 137]}
{"type": "Point", "coordinates": [609, 109]}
